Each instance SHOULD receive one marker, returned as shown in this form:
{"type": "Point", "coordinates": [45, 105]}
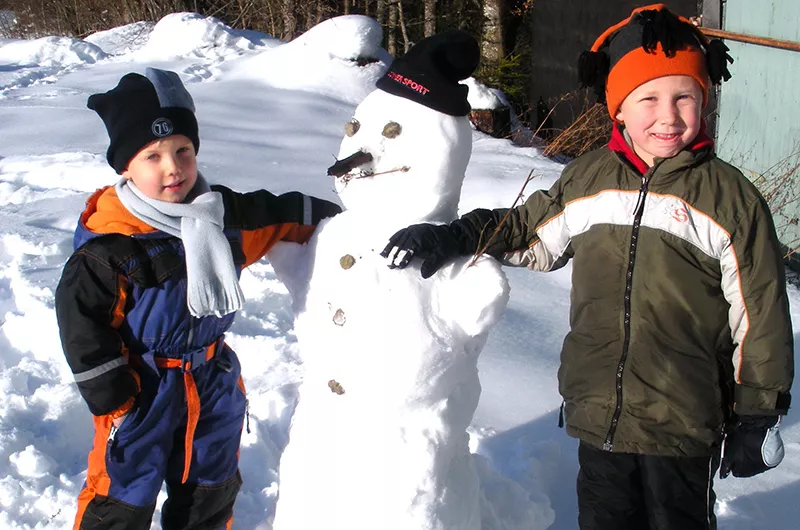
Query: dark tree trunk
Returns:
{"type": "Point", "coordinates": [289, 20]}
{"type": "Point", "coordinates": [380, 12]}
{"type": "Point", "coordinates": [402, 20]}
{"type": "Point", "coordinates": [430, 17]}
{"type": "Point", "coordinates": [492, 42]}
{"type": "Point", "coordinates": [391, 29]}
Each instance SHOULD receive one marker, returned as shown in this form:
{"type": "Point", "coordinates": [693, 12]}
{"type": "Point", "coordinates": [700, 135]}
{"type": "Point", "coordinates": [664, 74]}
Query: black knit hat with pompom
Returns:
{"type": "Point", "coordinates": [430, 72]}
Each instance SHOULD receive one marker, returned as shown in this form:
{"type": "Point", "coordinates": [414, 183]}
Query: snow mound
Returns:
{"type": "Point", "coordinates": [122, 40]}
{"type": "Point", "coordinates": [481, 96]}
{"type": "Point", "coordinates": [190, 34]}
{"type": "Point", "coordinates": [50, 51]}
{"type": "Point", "coordinates": [348, 37]}
{"type": "Point", "coordinates": [345, 46]}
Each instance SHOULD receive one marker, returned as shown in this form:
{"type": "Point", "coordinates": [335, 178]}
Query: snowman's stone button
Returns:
{"type": "Point", "coordinates": [338, 318]}
{"type": "Point", "coordinates": [392, 129]}
{"type": "Point", "coordinates": [335, 387]}
{"type": "Point", "coordinates": [351, 127]}
{"type": "Point", "coordinates": [347, 261]}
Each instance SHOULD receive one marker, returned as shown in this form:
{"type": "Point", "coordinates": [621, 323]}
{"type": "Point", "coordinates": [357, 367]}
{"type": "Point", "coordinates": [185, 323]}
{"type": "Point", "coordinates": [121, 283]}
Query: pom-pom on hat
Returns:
{"type": "Point", "coordinates": [430, 72]}
{"type": "Point", "coordinates": [141, 109]}
{"type": "Point", "coordinates": [653, 42]}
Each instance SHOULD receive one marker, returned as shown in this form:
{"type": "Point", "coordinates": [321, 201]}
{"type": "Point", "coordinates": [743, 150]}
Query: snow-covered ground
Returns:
{"type": "Point", "coordinates": [271, 116]}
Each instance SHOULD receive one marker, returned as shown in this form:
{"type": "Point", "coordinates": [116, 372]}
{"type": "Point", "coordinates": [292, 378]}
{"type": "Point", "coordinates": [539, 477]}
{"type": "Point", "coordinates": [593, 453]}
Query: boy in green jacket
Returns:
{"type": "Point", "coordinates": [680, 329]}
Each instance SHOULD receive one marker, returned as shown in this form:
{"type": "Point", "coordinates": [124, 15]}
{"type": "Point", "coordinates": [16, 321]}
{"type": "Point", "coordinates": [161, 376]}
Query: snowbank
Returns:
{"type": "Point", "coordinates": [122, 40]}
{"type": "Point", "coordinates": [343, 47]}
{"type": "Point", "coordinates": [50, 51]}
{"type": "Point", "coordinates": [190, 34]}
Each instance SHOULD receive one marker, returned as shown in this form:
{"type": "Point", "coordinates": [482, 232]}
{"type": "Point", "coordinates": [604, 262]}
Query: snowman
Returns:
{"type": "Point", "coordinates": [378, 439]}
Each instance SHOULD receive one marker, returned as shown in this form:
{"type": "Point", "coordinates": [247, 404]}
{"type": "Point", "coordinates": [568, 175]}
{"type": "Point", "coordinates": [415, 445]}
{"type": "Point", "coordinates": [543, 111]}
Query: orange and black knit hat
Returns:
{"type": "Point", "coordinates": [653, 42]}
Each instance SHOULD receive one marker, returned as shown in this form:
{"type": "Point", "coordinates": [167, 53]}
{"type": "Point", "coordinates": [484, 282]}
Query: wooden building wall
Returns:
{"type": "Point", "coordinates": [758, 127]}
{"type": "Point", "coordinates": [562, 29]}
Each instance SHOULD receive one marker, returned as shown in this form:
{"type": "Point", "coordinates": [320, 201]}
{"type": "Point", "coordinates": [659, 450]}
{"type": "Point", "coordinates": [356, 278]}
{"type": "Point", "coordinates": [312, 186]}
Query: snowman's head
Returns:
{"type": "Point", "coordinates": [408, 144]}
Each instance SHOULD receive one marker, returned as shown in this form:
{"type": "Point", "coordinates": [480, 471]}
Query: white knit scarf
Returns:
{"type": "Point", "coordinates": [212, 283]}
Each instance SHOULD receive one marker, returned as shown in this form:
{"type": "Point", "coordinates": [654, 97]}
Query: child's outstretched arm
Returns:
{"type": "Point", "coordinates": [532, 235]}
{"type": "Point", "coordinates": [90, 302]}
{"type": "Point", "coordinates": [265, 218]}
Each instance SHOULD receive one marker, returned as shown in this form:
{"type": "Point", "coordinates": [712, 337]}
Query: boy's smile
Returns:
{"type": "Point", "coordinates": [165, 169]}
{"type": "Point", "coordinates": [662, 116]}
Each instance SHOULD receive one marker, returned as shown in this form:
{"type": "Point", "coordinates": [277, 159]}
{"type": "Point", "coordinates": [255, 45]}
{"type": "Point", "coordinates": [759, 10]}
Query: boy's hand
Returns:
{"type": "Point", "coordinates": [752, 445]}
{"type": "Point", "coordinates": [435, 244]}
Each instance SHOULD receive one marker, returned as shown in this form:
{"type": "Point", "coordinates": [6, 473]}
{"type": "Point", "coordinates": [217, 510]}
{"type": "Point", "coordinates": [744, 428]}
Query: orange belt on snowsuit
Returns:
{"type": "Point", "coordinates": [187, 363]}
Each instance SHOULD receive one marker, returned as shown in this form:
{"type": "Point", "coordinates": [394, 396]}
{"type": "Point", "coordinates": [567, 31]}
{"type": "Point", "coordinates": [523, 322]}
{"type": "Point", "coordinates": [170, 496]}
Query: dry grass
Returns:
{"type": "Point", "coordinates": [778, 185]}
{"type": "Point", "coordinates": [591, 129]}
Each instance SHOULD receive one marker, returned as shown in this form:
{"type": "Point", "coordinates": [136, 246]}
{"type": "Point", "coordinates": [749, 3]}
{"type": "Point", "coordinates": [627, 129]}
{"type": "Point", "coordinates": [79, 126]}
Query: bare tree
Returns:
{"type": "Point", "coordinates": [320, 11]}
{"type": "Point", "coordinates": [391, 29]}
{"type": "Point", "coordinates": [380, 12]}
{"type": "Point", "coordinates": [430, 17]}
{"type": "Point", "coordinates": [289, 20]}
{"type": "Point", "coordinates": [402, 19]}
{"type": "Point", "coordinates": [492, 42]}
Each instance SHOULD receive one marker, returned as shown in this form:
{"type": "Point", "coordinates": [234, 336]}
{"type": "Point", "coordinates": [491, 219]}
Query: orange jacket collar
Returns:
{"type": "Point", "coordinates": [105, 214]}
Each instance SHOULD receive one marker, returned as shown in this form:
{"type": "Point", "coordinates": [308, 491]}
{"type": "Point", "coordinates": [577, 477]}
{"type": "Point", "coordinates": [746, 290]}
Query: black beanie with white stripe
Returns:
{"type": "Point", "coordinates": [142, 109]}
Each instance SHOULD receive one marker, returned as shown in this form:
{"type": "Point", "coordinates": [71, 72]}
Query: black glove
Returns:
{"type": "Point", "coordinates": [435, 244]}
{"type": "Point", "coordinates": [752, 445]}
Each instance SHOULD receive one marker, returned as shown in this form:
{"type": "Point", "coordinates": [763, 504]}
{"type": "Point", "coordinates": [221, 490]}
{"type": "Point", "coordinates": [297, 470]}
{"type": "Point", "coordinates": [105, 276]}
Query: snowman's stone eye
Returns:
{"type": "Point", "coordinates": [392, 130]}
{"type": "Point", "coordinates": [351, 127]}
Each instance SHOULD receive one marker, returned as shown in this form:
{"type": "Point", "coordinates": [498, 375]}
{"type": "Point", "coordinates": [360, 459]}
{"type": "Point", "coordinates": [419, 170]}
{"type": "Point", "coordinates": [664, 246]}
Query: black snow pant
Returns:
{"type": "Point", "coordinates": [622, 491]}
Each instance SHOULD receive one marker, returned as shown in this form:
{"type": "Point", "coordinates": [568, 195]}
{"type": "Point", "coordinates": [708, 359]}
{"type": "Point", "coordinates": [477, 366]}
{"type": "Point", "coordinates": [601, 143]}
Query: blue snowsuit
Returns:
{"type": "Point", "coordinates": [136, 351]}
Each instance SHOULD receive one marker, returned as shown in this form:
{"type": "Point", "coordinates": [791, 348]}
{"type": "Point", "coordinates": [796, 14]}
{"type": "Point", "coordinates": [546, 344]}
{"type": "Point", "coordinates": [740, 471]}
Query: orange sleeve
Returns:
{"type": "Point", "coordinates": [256, 243]}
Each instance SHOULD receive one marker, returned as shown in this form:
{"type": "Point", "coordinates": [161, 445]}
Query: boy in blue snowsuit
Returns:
{"type": "Point", "coordinates": [143, 305]}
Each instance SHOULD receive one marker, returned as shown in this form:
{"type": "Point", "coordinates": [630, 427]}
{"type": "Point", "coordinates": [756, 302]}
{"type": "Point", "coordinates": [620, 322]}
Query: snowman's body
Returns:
{"type": "Point", "coordinates": [378, 439]}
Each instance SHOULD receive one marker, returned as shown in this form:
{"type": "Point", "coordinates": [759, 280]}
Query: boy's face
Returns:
{"type": "Point", "coordinates": [662, 116]}
{"type": "Point", "coordinates": [165, 169]}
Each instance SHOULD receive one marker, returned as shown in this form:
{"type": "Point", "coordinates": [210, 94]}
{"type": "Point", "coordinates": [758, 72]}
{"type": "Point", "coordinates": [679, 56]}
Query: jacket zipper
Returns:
{"type": "Point", "coordinates": [637, 220]}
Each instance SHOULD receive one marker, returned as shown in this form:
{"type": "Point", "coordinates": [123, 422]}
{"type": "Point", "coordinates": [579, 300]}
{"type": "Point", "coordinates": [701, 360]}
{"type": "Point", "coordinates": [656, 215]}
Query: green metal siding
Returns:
{"type": "Point", "coordinates": [758, 128]}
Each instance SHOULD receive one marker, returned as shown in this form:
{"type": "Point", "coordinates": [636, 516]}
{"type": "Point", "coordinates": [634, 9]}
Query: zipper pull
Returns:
{"type": "Point", "coordinates": [561, 415]}
{"type": "Point", "coordinates": [112, 433]}
{"type": "Point", "coordinates": [640, 198]}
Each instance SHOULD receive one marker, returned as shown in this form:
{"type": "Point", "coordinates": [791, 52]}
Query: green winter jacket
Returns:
{"type": "Point", "coordinates": [679, 311]}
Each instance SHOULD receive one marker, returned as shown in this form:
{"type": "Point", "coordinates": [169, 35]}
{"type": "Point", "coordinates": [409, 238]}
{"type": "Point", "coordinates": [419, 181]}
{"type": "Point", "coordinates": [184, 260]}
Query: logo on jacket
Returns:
{"type": "Point", "coordinates": [162, 127]}
{"type": "Point", "coordinates": [680, 214]}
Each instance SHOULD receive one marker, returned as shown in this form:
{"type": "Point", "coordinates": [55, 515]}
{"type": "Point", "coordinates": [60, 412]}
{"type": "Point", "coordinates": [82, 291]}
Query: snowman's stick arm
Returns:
{"type": "Point", "coordinates": [496, 231]}
{"type": "Point", "coordinates": [555, 141]}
